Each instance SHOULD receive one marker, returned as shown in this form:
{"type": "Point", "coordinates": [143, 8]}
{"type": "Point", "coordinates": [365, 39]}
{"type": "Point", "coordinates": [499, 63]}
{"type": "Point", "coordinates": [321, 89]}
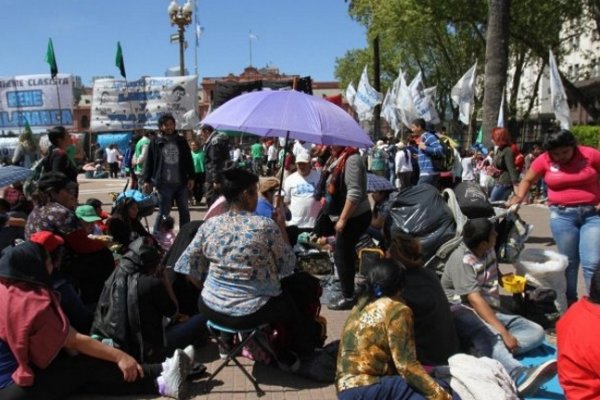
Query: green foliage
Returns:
{"type": "Point", "coordinates": [587, 135]}
{"type": "Point", "coordinates": [442, 39]}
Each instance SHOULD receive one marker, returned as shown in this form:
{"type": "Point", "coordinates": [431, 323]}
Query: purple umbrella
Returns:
{"type": "Point", "coordinates": [277, 113]}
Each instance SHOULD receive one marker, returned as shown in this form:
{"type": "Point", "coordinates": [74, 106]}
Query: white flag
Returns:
{"type": "Point", "coordinates": [404, 102]}
{"type": "Point", "coordinates": [350, 94]}
{"type": "Point", "coordinates": [463, 95]}
{"type": "Point", "coordinates": [500, 123]}
{"type": "Point", "coordinates": [430, 113]}
{"type": "Point", "coordinates": [558, 97]}
{"type": "Point", "coordinates": [388, 110]}
{"type": "Point", "coordinates": [366, 97]}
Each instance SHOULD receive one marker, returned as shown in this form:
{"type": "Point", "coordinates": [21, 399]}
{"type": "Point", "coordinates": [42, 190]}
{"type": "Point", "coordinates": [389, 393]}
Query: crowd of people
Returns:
{"type": "Point", "coordinates": [97, 302]}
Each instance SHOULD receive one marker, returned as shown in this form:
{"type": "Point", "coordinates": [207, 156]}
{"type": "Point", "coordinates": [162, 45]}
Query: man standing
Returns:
{"type": "Point", "coordinates": [299, 190]}
{"type": "Point", "coordinates": [216, 159]}
{"type": "Point", "coordinates": [170, 168]}
{"type": "Point", "coordinates": [257, 157]}
{"type": "Point", "coordinates": [140, 152]}
{"type": "Point", "coordinates": [429, 146]}
{"type": "Point", "coordinates": [57, 159]}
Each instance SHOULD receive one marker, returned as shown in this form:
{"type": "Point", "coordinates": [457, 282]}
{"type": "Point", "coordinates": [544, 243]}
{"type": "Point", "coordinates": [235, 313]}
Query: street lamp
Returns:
{"type": "Point", "coordinates": [181, 16]}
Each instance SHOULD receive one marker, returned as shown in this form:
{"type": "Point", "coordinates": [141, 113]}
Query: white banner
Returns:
{"type": "Point", "coordinates": [405, 103]}
{"type": "Point", "coordinates": [117, 107]}
{"type": "Point", "coordinates": [500, 123]}
{"type": "Point", "coordinates": [558, 97]}
{"type": "Point", "coordinates": [463, 95]}
{"type": "Point", "coordinates": [388, 111]}
{"type": "Point", "coordinates": [350, 94]}
{"type": "Point", "coordinates": [424, 100]}
{"type": "Point", "coordinates": [366, 97]}
{"type": "Point", "coordinates": [35, 99]}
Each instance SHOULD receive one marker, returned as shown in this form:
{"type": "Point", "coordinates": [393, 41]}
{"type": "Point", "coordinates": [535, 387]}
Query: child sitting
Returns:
{"type": "Point", "coordinates": [165, 235]}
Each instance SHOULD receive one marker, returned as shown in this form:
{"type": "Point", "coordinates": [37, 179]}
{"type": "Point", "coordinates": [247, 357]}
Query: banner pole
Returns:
{"type": "Point", "coordinates": [55, 79]}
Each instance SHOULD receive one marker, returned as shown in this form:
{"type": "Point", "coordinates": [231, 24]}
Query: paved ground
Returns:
{"type": "Point", "coordinates": [232, 384]}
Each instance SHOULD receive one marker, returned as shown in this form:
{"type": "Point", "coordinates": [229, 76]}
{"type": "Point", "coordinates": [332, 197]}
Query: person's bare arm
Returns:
{"type": "Point", "coordinates": [93, 348]}
{"type": "Point", "coordinates": [486, 313]}
{"type": "Point", "coordinates": [529, 179]}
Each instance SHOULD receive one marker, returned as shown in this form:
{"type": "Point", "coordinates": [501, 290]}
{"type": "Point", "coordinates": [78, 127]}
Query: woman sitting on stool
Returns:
{"type": "Point", "coordinates": [244, 256]}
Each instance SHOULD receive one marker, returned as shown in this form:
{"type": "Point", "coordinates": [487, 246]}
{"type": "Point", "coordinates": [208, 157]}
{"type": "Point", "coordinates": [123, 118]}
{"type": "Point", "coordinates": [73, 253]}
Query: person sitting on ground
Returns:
{"type": "Point", "coordinates": [377, 359]}
{"type": "Point", "coordinates": [470, 281]}
{"type": "Point", "coordinates": [124, 224]}
{"type": "Point", "coordinates": [88, 262]}
{"type": "Point", "coordinates": [165, 235]}
{"type": "Point", "coordinates": [138, 295]}
{"type": "Point", "coordinates": [577, 342]}
{"type": "Point", "coordinates": [88, 217]}
{"type": "Point", "coordinates": [436, 339]}
{"type": "Point", "coordinates": [37, 342]}
{"type": "Point", "coordinates": [244, 258]}
{"type": "Point", "coordinates": [11, 228]}
{"type": "Point", "coordinates": [100, 226]}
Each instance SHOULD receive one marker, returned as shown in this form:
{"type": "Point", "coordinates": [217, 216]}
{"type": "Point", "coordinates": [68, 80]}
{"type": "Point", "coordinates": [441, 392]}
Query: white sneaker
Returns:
{"type": "Point", "coordinates": [190, 352]}
{"type": "Point", "coordinates": [175, 371]}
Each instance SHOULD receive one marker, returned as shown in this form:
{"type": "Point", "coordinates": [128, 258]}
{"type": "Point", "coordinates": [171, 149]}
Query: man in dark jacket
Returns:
{"type": "Point", "coordinates": [216, 159]}
{"type": "Point", "coordinates": [169, 167]}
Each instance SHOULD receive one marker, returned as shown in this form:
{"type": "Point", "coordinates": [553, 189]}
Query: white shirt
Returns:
{"type": "Point", "coordinates": [111, 155]}
{"type": "Point", "coordinates": [299, 194]}
{"type": "Point", "coordinates": [300, 148]}
{"type": "Point", "coordinates": [468, 172]}
{"type": "Point", "coordinates": [272, 153]}
{"type": "Point", "coordinates": [237, 154]}
{"type": "Point", "coordinates": [403, 161]}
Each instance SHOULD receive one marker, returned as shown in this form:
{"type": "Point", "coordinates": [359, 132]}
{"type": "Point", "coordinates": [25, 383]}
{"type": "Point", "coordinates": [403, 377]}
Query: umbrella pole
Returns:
{"type": "Point", "coordinates": [285, 151]}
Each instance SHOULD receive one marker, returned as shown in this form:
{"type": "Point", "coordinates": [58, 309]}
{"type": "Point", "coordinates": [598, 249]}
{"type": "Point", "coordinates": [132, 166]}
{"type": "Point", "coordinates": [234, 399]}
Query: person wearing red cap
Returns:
{"type": "Point", "coordinates": [34, 330]}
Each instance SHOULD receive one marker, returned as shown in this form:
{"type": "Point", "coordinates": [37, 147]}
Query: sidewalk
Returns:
{"type": "Point", "coordinates": [232, 384]}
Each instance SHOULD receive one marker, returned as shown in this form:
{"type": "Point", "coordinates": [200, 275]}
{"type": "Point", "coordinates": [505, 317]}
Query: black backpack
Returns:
{"type": "Point", "coordinates": [446, 161]}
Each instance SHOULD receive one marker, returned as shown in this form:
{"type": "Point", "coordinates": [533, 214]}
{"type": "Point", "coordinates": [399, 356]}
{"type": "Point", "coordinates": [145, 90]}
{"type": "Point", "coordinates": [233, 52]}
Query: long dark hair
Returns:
{"type": "Point", "coordinates": [385, 278]}
{"type": "Point", "coordinates": [121, 210]}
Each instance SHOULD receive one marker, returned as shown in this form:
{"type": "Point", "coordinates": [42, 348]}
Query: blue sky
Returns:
{"type": "Point", "coordinates": [299, 37]}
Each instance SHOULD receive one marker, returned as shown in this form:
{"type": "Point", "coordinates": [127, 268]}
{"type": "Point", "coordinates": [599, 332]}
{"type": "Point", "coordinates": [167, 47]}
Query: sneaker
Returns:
{"type": "Point", "coordinates": [190, 352]}
{"type": "Point", "coordinates": [342, 303]}
{"type": "Point", "coordinates": [529, 379]}
{"type": "Point", "coordinates": [175, 371]}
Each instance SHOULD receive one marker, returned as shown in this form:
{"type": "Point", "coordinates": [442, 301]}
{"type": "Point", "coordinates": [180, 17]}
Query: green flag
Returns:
{"type": "Point", "coordinates": [51, 59]}
{"type": "Point", "coordinates": [119, 61]}
{"type": "Point", "coordinates": [479, 139]}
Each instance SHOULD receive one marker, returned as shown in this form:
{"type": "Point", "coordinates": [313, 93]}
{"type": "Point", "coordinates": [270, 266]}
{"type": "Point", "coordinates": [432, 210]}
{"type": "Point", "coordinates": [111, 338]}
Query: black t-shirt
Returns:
{"type": "Point", "coordinates": [435, 334]}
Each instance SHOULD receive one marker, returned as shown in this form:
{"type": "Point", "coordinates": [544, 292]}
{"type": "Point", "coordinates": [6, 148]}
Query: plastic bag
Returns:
{"type": "Point", "coordinates": [421, 212]}
{"type": "Point", "coordinates": [545, 268]}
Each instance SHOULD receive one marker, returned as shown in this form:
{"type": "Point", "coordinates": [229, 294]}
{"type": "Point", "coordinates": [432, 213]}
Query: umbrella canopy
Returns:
{"type": "Point", "coordinates": [376, 183]}
{"type": "Point", "coordinates": [10, 174]}
{"type": "Point", "coordinates": [275, 113]}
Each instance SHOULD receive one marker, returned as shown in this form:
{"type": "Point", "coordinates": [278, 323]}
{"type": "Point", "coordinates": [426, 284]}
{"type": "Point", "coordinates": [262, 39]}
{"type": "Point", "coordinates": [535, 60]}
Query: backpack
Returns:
{"type": "Point", "coordinates": [444, 163]}
{"type": "Point", "coordinates": [38, 168]}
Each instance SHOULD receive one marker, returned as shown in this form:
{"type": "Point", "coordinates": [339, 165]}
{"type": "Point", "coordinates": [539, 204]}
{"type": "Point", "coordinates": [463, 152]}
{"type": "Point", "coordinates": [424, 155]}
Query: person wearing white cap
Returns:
{"type": "Point", "coordinates": [299, 190]}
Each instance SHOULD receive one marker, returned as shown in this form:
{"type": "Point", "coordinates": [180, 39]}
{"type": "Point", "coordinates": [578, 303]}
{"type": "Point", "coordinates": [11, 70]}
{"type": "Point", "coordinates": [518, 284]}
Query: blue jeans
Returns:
{"type": "Point", "coordinates": [500, 192]}
{"type": "Point", "coordinates": [166, 194]}
{"type": "Point", "coordinates": [487, 340]}
{"type": "Point", "coordinates": [576, 231]}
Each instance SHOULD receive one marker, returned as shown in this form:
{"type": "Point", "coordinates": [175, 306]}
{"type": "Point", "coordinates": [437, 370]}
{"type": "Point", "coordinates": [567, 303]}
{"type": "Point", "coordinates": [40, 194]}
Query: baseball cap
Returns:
{"type": "Point", "coordinates": [303, 157]}
{"type": "Point", "coordinates": [87, 213]}
{"type": "Point", "coordinates": [47, 239]}
{"type": "Point", "coordinates": [268, 184]}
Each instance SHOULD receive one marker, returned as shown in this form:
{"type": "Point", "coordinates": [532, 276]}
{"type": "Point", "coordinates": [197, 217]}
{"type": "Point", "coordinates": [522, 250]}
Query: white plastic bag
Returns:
{"type": "Point", "coordinates": [545, 268]}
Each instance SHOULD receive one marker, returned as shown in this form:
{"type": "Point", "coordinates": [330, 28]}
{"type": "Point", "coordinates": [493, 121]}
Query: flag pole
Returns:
{"type": "Point", "coordinates": [120, 63]}
{"type": "Point", "coordinates": [197, 41]}
{"type": "Point", "coordinates": [250, 46]}
{"type": "Point", "coordinates": [55, 79]}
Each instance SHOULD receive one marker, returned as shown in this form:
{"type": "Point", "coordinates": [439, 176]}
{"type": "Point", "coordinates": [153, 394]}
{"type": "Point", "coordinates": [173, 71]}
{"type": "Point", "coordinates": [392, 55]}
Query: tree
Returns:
{"type": "Point", "coordinates": [496, 63]}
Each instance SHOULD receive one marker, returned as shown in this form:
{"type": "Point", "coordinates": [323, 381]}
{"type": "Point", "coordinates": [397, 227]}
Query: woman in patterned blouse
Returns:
{"type": "Point", "coordinates": [377, 357]}
{"type": "Point", "coordinates": [243, 257]}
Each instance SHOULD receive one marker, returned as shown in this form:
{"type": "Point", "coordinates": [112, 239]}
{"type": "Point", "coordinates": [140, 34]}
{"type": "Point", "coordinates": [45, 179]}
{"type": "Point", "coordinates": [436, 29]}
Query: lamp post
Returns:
{"type": "Point", "coordinates": [181, 16]}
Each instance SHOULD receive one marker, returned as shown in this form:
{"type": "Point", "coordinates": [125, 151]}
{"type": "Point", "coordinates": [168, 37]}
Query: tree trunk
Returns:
{"type": "Point", "coordinates": [496, 64]}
